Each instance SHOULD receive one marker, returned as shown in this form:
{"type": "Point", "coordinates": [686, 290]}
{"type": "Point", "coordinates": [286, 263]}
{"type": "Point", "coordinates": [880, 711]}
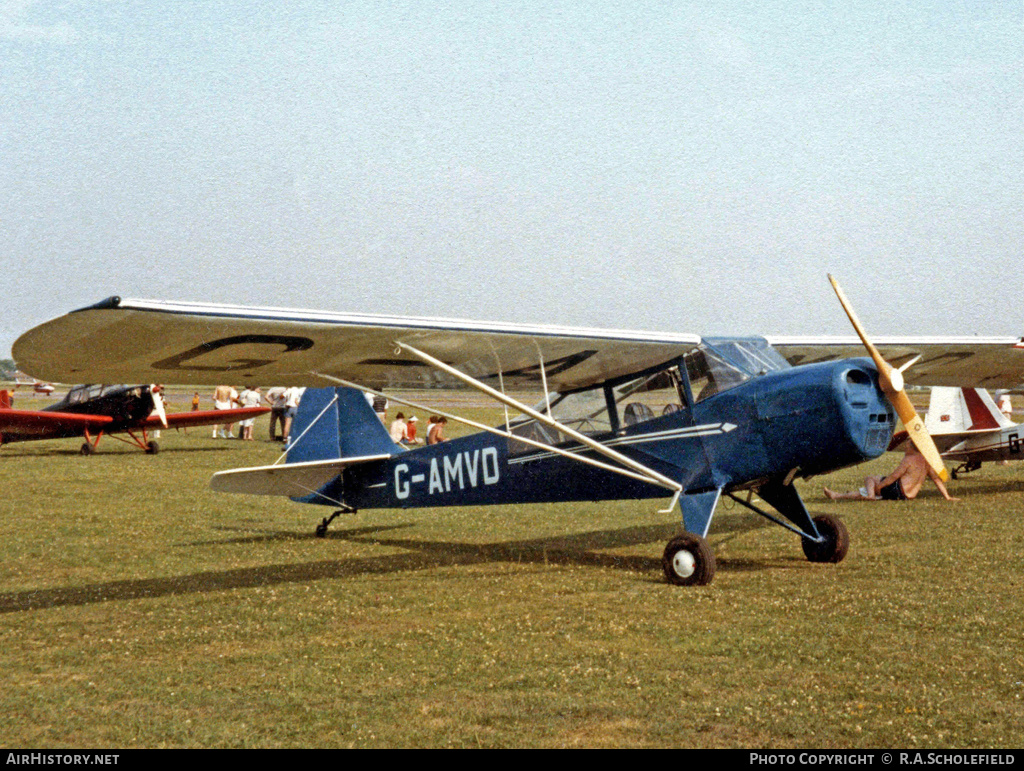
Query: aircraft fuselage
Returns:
{"type": "Point", "coordinates": [795, 422]}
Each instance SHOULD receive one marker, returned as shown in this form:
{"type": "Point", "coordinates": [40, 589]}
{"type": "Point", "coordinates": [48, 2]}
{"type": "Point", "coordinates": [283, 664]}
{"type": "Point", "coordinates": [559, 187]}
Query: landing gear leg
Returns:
{"type": "Point", "coordinates": [321, 529]}
{"type": "Point", "coordinates": [89, 447]}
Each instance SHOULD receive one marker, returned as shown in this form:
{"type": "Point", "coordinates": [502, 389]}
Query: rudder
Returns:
{"type": "Point", "coordinates": [337, 423]}
{"type": "Point", "coordinates": [961, 410]}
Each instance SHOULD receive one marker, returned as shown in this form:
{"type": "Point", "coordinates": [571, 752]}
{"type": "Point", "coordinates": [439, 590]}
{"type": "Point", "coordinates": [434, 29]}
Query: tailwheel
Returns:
{"type": "Point", "coordinates": [321, 529]}
{"type": "Point", "coordinates": [688, 561]}
{"type": "Point", "coordinates": [835, 540]}
{"type": "Point", "coordinates": [964, 468]}
{"type": "Point", "coordinates": [152, 448]}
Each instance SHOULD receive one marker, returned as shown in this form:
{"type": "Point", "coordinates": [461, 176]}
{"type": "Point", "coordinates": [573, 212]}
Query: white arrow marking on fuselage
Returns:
{"type": "Point", "coordinates": [708, 429]}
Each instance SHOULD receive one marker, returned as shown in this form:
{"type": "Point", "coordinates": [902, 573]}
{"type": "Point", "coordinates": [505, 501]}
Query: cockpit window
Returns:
{"type": "Point", "coordinates": [650, 396]}
{"type": "Point", "coordinates": [711, 374]}
{"type": "Point", "coordinates": [636, 401]}
{"type": "Point", "coordinates": [583, 411]}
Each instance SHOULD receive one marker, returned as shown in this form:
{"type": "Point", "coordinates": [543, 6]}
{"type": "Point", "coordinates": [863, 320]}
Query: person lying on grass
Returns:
{"type": "Point", "coordinates": [903, 484]}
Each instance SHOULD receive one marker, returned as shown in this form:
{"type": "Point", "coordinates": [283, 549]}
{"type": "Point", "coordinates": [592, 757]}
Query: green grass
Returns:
{"type": "Point", "coordinates": [140, 609]}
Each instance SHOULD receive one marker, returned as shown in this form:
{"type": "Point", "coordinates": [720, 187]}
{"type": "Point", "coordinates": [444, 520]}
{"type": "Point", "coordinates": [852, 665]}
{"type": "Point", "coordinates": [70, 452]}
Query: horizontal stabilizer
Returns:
{"type": "Point", "coordinates": [290, 480]}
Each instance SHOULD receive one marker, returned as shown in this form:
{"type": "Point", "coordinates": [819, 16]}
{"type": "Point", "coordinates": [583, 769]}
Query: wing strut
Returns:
{"type": "Point", "coordinates": [650, 474]}
{"type": "Point", "coordinates": [507, 435]}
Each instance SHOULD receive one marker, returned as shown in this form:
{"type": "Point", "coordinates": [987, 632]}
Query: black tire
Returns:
{"type": "Point", "coordinates": [321, 529]}
{"type": "Point", "coordinates": [688, 561]}
{"type": "Point", "coordinates": [152, 448]}
{"type": "Point", "coordinates": [836, 543]}
{"type": "Point", "coordinates": [86, 449]}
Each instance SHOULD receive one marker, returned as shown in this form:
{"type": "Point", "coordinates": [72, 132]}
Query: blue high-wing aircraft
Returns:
{"type": "Point", "coordinates": [626, 415]}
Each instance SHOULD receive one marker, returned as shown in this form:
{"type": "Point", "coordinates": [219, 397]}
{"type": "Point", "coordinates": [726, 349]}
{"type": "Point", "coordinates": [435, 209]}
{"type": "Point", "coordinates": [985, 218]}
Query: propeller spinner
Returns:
{"type": "Point", "coordinates": [890, 380]}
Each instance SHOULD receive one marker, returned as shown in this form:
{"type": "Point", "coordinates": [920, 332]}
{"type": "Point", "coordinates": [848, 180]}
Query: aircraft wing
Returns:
{"type": "Point", "coordinates": [45, 424]}
{"type": "Point", "coordinates": [291, 479]}
{"type": "Point", "coordinates": [205, 417]}
{"type": "Point", "coordinates": [161, 342]}
{"type": "Point", "coordinates": [981, 362]}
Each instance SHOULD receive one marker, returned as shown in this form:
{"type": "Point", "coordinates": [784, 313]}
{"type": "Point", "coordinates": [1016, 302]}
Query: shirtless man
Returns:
{"type": "Point", "coordinates": [224, 398]}
{"type": "Point", "coordinates": [903, 484]}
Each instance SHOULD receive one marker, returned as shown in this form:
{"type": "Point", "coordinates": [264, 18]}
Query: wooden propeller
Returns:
{"type": "Point", "coordinates": [890, 380]}
{"type": "Point", "coordinates": [158, 403]}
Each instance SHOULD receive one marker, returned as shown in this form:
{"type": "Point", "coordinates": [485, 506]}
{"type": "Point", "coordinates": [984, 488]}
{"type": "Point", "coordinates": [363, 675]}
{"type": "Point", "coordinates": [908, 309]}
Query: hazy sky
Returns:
{"type": "Point", "coordinates": [682, 166]}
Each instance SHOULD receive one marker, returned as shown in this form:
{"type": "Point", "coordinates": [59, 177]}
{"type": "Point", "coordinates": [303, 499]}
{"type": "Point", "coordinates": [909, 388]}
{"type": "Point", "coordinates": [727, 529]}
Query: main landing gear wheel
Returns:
{"type": "Point", "coordinates": [152, 448]}
{"type": "Point", "coordinates": [836, 543]}
{"type": "Point", "coordinates": [86, 449]}
{"type": "Point", "coordinates": [688, 561]}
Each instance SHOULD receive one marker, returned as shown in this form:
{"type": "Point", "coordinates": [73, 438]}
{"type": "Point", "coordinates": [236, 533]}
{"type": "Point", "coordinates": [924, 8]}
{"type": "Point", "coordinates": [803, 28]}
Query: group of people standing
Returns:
{"type": "Point", "coordinates": [283, 402]}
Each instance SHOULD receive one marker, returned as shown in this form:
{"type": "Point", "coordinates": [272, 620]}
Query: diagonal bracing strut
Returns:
{"type": "Point", "coordinates": [649, 474]}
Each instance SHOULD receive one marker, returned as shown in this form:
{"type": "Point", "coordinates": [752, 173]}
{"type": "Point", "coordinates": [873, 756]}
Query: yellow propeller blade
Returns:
{"type": "Point", "coordinates": [890, 380]}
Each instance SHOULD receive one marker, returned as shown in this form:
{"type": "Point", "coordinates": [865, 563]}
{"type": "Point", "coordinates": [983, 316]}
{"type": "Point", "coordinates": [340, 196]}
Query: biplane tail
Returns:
{"type": "Point", "coordinates": [337, 423]}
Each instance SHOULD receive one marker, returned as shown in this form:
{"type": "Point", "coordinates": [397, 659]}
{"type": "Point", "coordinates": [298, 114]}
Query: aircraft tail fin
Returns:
{"type": "Point", "coordinates": [5, 399]}
{"type": "Point", "coordinates": [962, 411]}
{"type": "Point", "coordinates": [337, 423]}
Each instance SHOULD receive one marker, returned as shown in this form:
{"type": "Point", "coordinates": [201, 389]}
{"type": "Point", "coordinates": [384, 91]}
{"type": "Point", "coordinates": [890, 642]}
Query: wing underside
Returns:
{"type": "Point", "coordinates": [994, 362]}
{"type": "Point", "coordinates": [148, 341]}
{"type": "Point", "coordinates": [30, 424]}
{"type": "Point", "coordinates": [180, 343]}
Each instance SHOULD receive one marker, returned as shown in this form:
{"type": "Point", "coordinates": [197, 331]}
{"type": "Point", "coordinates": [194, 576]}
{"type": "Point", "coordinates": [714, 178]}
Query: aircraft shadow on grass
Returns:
{"type": "Point", "coordinates": [116, 452]}
{"type": "Point", "coordinates": [577, 549]}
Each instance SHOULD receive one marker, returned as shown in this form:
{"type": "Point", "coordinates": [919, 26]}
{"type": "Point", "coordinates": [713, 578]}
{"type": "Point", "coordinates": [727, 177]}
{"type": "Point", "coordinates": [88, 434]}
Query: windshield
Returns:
{"type": "Point", "coordinates": [710, 373]}
{"type": "Point", "coordinates": [752, 354]}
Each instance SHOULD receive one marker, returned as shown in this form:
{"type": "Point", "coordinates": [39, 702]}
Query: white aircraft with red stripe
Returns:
{"type": "Point", "coordinates": [969, 429]}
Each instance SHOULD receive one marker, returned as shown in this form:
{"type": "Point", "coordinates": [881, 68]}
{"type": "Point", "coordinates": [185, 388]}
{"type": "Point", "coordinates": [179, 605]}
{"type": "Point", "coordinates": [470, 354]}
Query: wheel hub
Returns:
{"type": "Point", "coordinates": [683, 563]}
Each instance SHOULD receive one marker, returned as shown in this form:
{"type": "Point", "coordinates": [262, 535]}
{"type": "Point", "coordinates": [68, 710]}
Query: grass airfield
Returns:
{"type": "Point", "coordinates": [140, 609]}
